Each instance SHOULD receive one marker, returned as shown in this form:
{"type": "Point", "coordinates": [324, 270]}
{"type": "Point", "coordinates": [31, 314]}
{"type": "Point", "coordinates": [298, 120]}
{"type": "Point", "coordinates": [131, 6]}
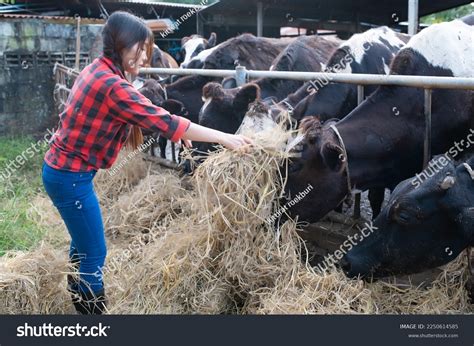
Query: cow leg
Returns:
{"type": "Point", "coordinates": [173, 152]}
{"type": "Point", "coordinates": [152, 147]}
{"type": "Point", "coordinates": [181, 149]}
{"type": "Point", "coordinates": [162, 141]}
{"type": "Point", "coordinates": [376, 197]}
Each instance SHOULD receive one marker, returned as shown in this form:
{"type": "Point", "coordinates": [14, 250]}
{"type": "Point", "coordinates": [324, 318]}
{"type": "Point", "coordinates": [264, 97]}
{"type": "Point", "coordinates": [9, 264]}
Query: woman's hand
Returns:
{"type": "Point", "coordinates": [234, 141]}
{"type": "Point", "coordinates": [187, 143]}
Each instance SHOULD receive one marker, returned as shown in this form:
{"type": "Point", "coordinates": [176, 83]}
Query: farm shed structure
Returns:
{"type": "Point", "coordinates": [30, 45]}
{"type": "Point", "coordinates": [266, 17]}
{"type": "Point", "coordinates": [34, 35]}
{"type": "Point", "coordinates": [147, 9]}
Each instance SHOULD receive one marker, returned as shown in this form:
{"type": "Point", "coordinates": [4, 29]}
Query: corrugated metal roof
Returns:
{"type": "Point", "coordinates": [59, 19]}
{"type": "Point", "coordinates": [157, 3]}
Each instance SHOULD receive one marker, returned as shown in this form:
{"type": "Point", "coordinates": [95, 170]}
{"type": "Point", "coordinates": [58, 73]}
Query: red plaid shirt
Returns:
{"type": "Point", "coordinates": [96, 121]}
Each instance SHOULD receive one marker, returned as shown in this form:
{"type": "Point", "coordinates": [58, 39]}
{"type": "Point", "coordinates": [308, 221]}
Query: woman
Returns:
{"type": "Point", "coordinates": [102, 113]}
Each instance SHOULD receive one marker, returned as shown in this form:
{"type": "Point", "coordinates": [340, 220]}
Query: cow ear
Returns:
{"type": "Point", "coordinates": [403, 62]}
{"type": "Point", "coordinates": [333, 156]}
{"type": "Point", "coordinates": [285, 63]}
{"type": "Point", "coordinates": [212, 90]}
{"type": "Point", "coordinates": [164, 81]}
{"type": "Point", "coordinates": [246, 95]}
{"type": "Point", "coordinates": [212, 40]}
{"type": "Point", "coordinates": [184, 40]}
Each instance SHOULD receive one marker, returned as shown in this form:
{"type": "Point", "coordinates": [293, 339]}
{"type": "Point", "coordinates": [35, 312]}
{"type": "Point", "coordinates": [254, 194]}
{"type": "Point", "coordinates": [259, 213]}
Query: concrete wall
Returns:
{"type": "Point", "coordinates": [28, 50]}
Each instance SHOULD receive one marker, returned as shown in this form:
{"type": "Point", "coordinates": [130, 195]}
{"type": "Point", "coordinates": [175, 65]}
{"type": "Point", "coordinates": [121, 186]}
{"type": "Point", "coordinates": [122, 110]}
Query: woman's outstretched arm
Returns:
{"type": "Point", "coordinates": [200, 133]}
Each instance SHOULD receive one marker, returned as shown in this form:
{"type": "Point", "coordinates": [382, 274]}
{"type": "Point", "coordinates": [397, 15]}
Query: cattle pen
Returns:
{"type": "Point", "coordinates": [427, 83]}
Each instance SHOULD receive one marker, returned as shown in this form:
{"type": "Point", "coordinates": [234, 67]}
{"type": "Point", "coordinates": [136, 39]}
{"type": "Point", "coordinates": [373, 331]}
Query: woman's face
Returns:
{"type": "Point", "coordinates": [131, 61]}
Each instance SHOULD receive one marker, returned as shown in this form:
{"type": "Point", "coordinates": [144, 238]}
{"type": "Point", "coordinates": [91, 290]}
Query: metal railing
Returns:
{"type": "Point", "coordinates": [428, 83]}
{"type": "Point", "coordinates": [241, 73]}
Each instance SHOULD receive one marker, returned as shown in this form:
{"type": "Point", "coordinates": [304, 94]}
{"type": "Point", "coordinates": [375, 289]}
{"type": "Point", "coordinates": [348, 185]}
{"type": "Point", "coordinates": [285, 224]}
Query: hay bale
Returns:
{"type": "Point", "coordinates": [211, 251]}
{"type": "Point", "coordinates": [155, 197]}
{"type": "Point", "coordinates": [122, 177]}
{"type": "Point", "coordinates": [34, 282]}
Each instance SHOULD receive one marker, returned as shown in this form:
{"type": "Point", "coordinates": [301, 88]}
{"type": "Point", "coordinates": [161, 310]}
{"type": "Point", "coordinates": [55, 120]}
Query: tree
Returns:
{"type": "Point", "coordinates": [448, 15]}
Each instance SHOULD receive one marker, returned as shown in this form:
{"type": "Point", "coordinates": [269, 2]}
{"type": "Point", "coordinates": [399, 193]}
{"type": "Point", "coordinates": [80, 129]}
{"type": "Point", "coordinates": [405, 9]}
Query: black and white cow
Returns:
{"type": "Point", "coordinates": [344, 60]}
{"type": "Point", "coordinates": [370, 52]}
{"type": "Point", "coordinates": [427, 223]}
{"type": "Point", "coordinates": [380, 143]}
{"type": "Point", "coordinates": [305, 54]}
{"type": "Point", "coordinates": [194, 45]}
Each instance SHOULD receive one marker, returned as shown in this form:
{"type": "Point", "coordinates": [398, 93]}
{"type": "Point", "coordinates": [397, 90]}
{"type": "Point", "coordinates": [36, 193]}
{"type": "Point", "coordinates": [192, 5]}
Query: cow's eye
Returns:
{"type": "Point", "coordinates": [448, 182]}
{"type": "Point", "coordinates": [311, 140]}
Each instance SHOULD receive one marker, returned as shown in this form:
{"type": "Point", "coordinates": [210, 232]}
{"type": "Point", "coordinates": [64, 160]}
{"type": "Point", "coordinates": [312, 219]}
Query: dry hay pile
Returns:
{"type": "Point", "coordinates": [208, 250]}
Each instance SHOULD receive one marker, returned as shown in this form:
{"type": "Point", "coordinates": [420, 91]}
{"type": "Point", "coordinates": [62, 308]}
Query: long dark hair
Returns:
{"type": "Point", "coordinates": [122, 31]}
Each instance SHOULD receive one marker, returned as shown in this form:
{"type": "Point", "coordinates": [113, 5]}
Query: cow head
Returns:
{"type": "Point", "coordinates": [152, 90]}
{"type": "Point", "coordinates": [191, 46]}
{"type": "Point", "coordinates": [321, 164]}
{"type": "Point", "coordinates": [157, 58]}
{"type": "Point", "coordinates": [223, 110]}
{"type": "Point", "coordinates": [425, 224]}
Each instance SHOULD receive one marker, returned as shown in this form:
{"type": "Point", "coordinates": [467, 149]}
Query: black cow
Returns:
{"type": "Point", "coordinates": [224, 109]}
{"type": "Point", "coordinates": [380, 143]}
{"type": "Point", "coordinates": [305, 54]}
{"type": "Point", "coordinates": [427, 223]}
{"type": "Point", "coordinates": [253, 52]}
{"type": "Point", "coordinates": [152, 90]}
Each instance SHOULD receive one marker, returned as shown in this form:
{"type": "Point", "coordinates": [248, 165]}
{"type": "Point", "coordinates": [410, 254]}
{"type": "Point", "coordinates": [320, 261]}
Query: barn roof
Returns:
{"type": "Point", "coordinates": [53, 19]}
{"type": "Point", "coordinates": [94, 8]}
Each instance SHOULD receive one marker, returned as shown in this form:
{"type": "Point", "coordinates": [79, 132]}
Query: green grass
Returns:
{"type": "Point", "coordinates": [17, 231]}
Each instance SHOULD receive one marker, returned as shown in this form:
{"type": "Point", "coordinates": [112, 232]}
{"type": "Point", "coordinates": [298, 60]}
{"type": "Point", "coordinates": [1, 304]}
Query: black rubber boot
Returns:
{"type": "Point", "coordinates": [88, 303]}
{"type": "Point", "coordinates": [73, 278]}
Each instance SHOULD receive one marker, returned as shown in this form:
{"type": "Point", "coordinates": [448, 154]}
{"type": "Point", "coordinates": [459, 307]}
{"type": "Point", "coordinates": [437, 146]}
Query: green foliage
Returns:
{"type": "Point", "coordinates": [448, 15]}
{"type": "Point", "coordinates": [17, 192]}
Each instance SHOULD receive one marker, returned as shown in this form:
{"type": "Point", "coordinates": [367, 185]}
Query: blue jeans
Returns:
{"type": "Point", "coordinates": [73, 195]}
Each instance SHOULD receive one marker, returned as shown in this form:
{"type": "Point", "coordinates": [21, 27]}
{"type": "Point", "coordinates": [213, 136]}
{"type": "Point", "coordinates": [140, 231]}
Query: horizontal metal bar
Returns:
{"type": "Point", "coordinates": [428, 82]}
{"type": "Point", "coordinates": [188, 72]}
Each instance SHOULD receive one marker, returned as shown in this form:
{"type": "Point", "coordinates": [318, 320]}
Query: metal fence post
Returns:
{"type": "Point", "coordinates": [427, 142]}
{"type": "Point", "coordinates": [360, 99]}
{"type": "Point", "coordinates": [413, 8]}
{"type": "Point", "coordinates": [78, 43]}
{"type": "Point", "coordinates": [240, 75]}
